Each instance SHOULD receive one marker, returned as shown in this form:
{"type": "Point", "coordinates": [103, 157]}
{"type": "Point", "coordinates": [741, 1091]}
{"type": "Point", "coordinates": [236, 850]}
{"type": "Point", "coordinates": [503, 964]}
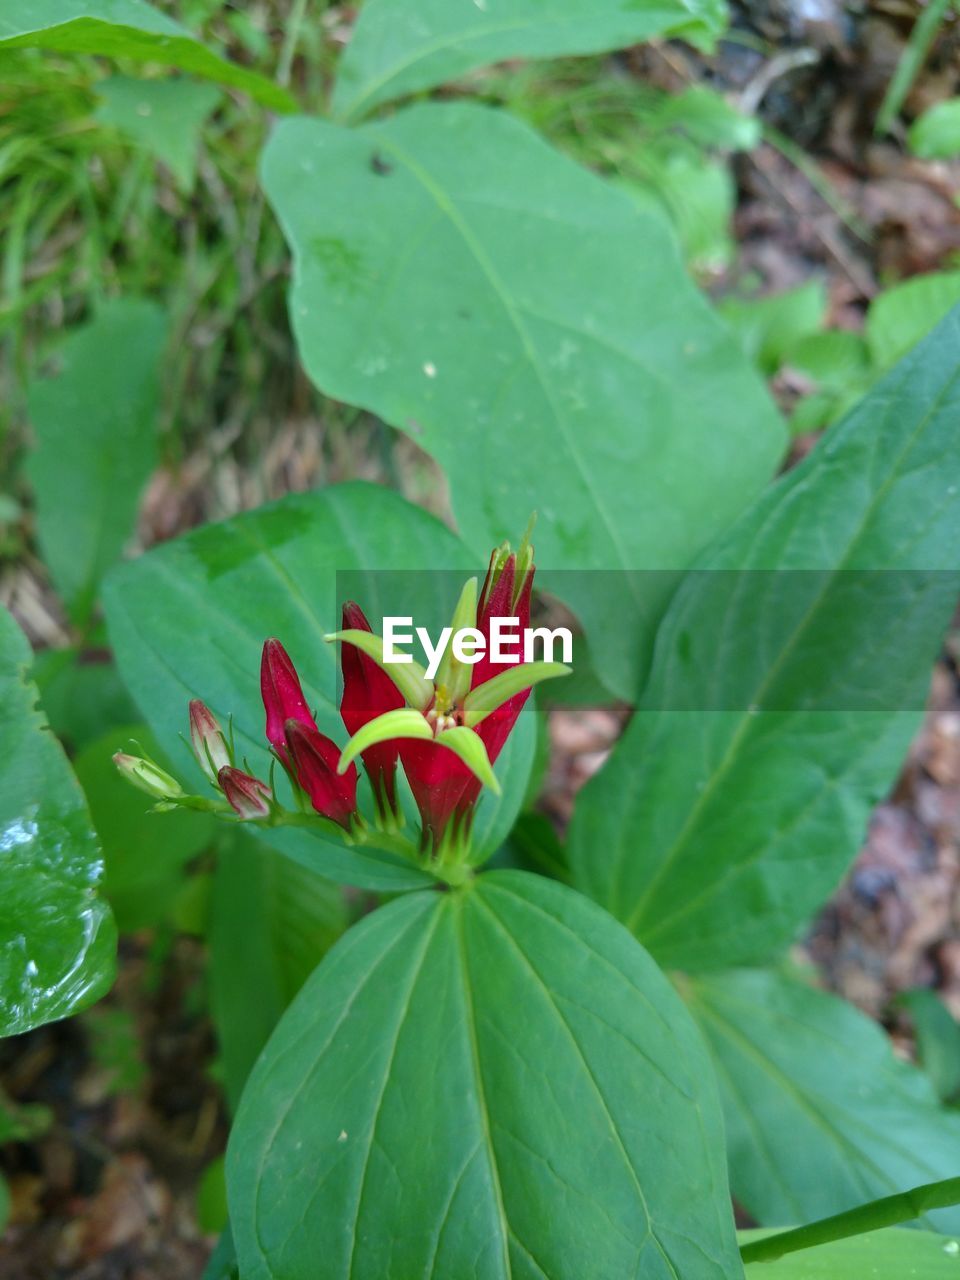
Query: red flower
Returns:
{"type": "Point", "coordinates": [283, 698]}
{"type": "Point", "coordinates": [367, 693]}
{"type": "Point", "coordinates": [450, 732]}
{"type": "Point", "coordinates": [315, 760]}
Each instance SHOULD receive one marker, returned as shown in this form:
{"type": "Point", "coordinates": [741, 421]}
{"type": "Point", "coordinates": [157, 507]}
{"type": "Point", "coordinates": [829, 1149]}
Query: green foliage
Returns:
{"type": "Point", "coordinates": [164, 117]}
{"type": "Point", "coordinates": [395, 50]}
{"type": "Point", "coordinates": [768, 328]}
{"type": "Point", "coordinates": [904, 314]}
{"type": "Point", "coordinates": [129, 29]}
{"type": "Point", "coordinates": [272, 923]}
{"type": "Point", "coordinates": [468, 1062]}
{"type": "Point", "coordinates": [57, 938]}
{"type": "Point", "coordinates": [938, 1040]}
{"type": "Point", "coordinates": [212, 1198]}
{"type": "Point", "coordinates": [911, 60]}
{"type": "Point", "coordinates": [460, 279]}
{"type": "Point", "coordinates": [275, 572]}
{"type": "Point", "coordinates": [820, 1114]}
{"type": "Point", "coordinates": [936, 134]}
{"type": "Point", "coordinates": [145, 855]}
{"type": "Point", "coordinates": [786, 685]}
{"type": "Point", "coordinates": [96, 431]}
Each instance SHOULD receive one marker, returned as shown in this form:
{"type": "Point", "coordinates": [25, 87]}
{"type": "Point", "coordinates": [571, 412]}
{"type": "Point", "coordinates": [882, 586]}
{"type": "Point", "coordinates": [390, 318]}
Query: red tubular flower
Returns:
{"type": "Point", "coordinates": [248, 796]}
{"type": "Point", "coordinates": [367, 693]}
{"type": "Point", "coordinates": [315, 759]}
{"type": "Point", "coordinates": [283, 698]}
{"type": "Point", "coordinates": [452, 730]}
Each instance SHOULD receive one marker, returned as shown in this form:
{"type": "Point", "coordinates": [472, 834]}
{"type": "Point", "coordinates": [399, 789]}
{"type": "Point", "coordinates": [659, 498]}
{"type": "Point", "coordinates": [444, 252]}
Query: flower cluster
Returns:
{"type": "Point", "coordinates": [445, 733]}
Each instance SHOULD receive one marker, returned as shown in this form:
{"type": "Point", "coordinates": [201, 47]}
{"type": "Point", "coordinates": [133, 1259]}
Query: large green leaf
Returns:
{"type": "Point", "coordinates": [786, 684]}
{"type": "Point", "coordinates": [272, 923]}
{"type": "Point", "coordinates": [495, 1082]}
{"type": "Point", "coordinates": [821, 1116]}
{"type": "Point", "coordinates": [893, 1254]}
{"type": "Point", "coordinates": [96, 443]}
{"type": "Point", "coordinates": [126, 29]}
{"type": "Point", "coordinates": [189, 619]}
{"type": "Point", "coordinates": [531, 327]}
{"type": "Point", "coordinates": [57, 938]}
{"type": "Point", "coordinates": [397, 48]}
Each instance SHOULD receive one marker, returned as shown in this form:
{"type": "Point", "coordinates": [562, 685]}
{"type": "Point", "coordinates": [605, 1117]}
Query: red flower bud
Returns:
{"type": "Point", "coordinates": [314, 759]}
{"type": "Point", "coordinates": [367, 693]}
{"type": "Point", "coordinates": [247, 795]}
{"type": "Point", "coordinates": [283, 698]}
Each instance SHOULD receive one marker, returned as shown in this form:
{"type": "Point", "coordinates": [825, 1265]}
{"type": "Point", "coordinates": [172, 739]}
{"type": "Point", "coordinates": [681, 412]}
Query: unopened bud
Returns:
{"type": "Point", "coordinates": [206, 738]}
{"type": "Point", "coordinates": [248, 796]}
{"type": "Point", "coordinates": [147, 776]}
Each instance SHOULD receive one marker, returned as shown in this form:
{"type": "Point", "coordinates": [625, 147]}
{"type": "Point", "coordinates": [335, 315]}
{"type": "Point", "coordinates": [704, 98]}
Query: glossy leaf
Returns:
{"type": "Point", "coordinates": [57, 938]}
{"type": "Point", "coordinates": [534, 329]}
{"type": "Point", "coordinates": [129, 29]}
{"type": "Point", "coordinates": [189, 619]}
{"type": "Point", "coordinates": [272, 923]}
{"type": "Point", "coordinates": [458, 1085]}
{"type": "Point", "coordinates": [396, 49]}
{"type": "Point", "coordinates": [787, 682]}
{"type": "Point", "coordinates": [95, 425]}
{"type": "Point", "coordinates": [145, 855]}
{"type": "Point", "coordinates": [163, 117]}
{"type": "Point", "coordinates": [820, 1114]}
{"type": "Point", "coordinates": [894, 1254]}
{"type": "Point", "coordinates": [938, 1040]}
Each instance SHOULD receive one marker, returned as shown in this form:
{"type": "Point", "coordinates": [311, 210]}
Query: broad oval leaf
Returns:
{"type": "Point", "coordinates": [786, 684]}
{"type": "Point", "coordinates": [272, 922]}
{"type": "Point", "coordinates": [820, 1114]}
{"type": "Point", "coordinates": [533, 328]}
{"type": "Point", "coordinates": [396, 49]}
{"type": "Point", "coordinates": [95, 425]}
{"type": "Point", "coordinates": [57, 938]}
{"type": "Point", "coordinates": [188, 620]}
{"type": "Point", "coordinates": [894, 1254]}
{"type": "Point", "coordinates": [126, 29]}
{"type": "Point", "coordinates": [494, 1082]}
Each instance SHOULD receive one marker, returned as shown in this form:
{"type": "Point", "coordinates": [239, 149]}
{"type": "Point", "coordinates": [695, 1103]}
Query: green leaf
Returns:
{"type": "Point", "coordinates": [126, 29]}
{"type": "Point", "coordinates": [768, 328]}
{"type": "Point", "coordinates": [57, 938]}
{"type": "Point", "coordinates": [223, 1260]}
{"type": "Point", "coordinates": [833, 359]}
{"type": "Point", "coordinates": [820, 1114]}
{"type": "Point", "coordinates": [396, 50]}
{"type": "Point", "coordinates": [936, 134]}
{"type": "Point", "coordinates": [188, 620]}
{"type": "Point", "coordinates": [497, 811]}
{"type": "Point", "coordinates": [272, 923]}
{"type": "Point", "coordinates": [82, 695]}
{"type": "Point", "coordinates": [492, 1082]}
{"type": "Point", "coordinates": [893, 1254]}
{"type": "Point", "coordinates": [145, 854]}
{"type": "Point", "coordinates": [531, 327]}
{"type": "Point", "coordinates": [938, 1040]}
{"type": "Point", "coordinates": [901, 316]}
{"type": "Point", "coordinates": [163, 117]}
{"type": "Point", "coordinates": [212, 1198]}
{"type": "Point", "coordinates": [96, 444]}
{"type": "Point", "coordinates": [787, 682]}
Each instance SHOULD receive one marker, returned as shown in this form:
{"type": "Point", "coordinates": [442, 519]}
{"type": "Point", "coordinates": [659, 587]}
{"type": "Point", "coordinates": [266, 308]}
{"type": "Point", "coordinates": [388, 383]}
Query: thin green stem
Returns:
{"type": "Point", "coordinates": [890, 1211]}
{"type": "Point", "coordinates": [290, 39]}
